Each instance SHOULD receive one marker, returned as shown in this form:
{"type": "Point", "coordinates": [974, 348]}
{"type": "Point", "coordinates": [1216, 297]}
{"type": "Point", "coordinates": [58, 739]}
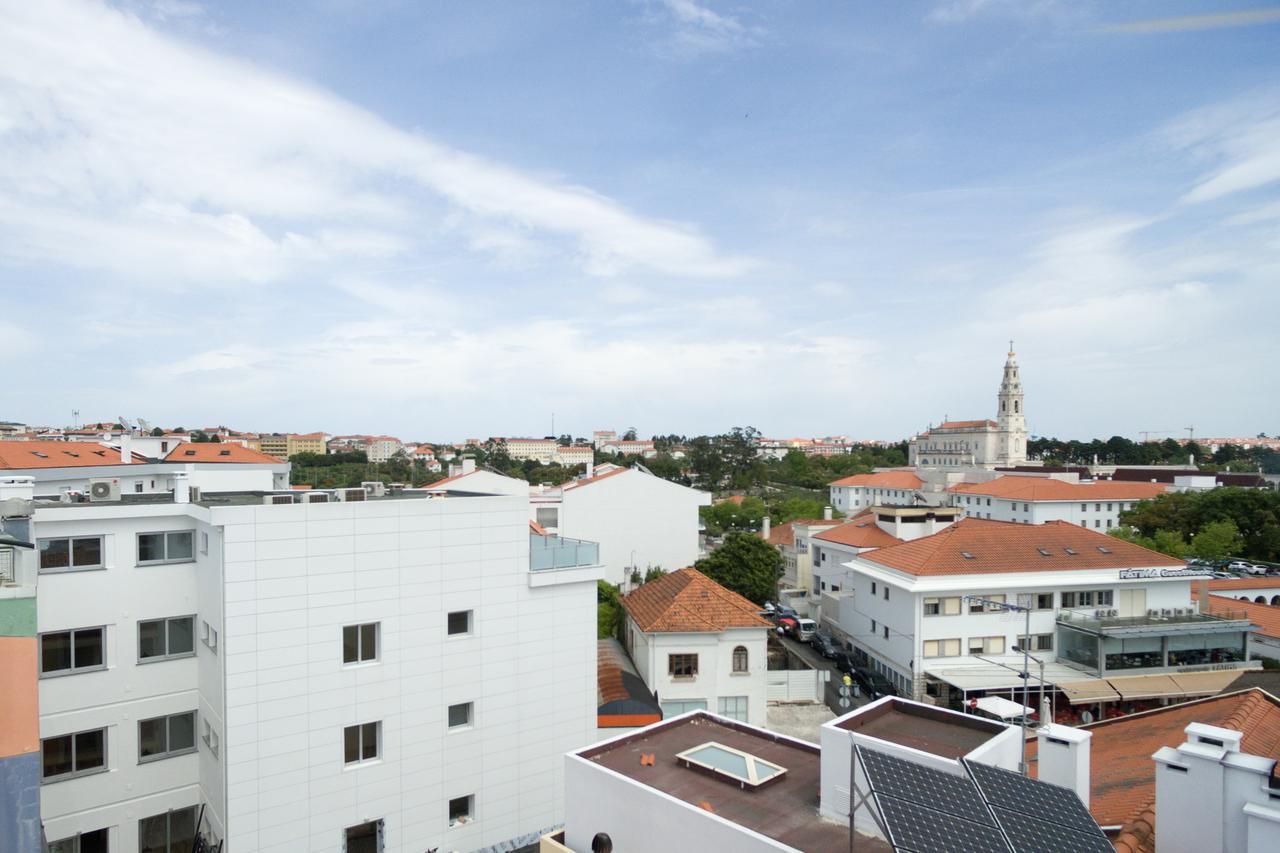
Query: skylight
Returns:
{"type": "Point", "coordinates": [1071, 551]}
{"type": "Point", "coordinates": [731, 764]}
{"type": "Point", "coordinates": [1044, 552]}
{"type": "Point", "coordinates": [1104, 549]}
{"type": "Point", "coordinates": [966, 555]}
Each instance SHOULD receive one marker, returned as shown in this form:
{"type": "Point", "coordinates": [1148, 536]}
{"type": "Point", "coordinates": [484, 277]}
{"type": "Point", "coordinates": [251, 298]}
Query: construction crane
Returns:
{"type": "Point", "coordinates": [1191, 434]}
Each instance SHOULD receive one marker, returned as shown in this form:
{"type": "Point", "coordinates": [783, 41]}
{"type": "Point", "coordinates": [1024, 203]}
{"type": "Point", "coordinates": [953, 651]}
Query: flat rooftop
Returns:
{"type": "Point", "coordinates": [785, 810]}
{"type": "Point", "coordinates": [254, 498]}
{"type": "Point", "coordinates": [924, 728]}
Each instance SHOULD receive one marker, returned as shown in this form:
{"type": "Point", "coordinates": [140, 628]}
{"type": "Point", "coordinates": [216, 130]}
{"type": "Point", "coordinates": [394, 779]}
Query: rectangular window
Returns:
{"type": "Point", "coordinates": [1042, 642]}
{"type": "Point", "coordinates": [360, 743]}
{"type": "Point", "coordinates": [169, 832]}
{"type": "Point", "coordinates": [360, 643]}
{"type": "Point", "coordinates": [1097, 522]}
{"type": "Point", "coordinates": [734, 707]}
{"type": "Point", "coordinates": [873, 626]}
{"type": "Point", "coordinates": [873, 587]}
{"type": "Point", "coordinates": [682, 706]}
{"type": "Point", "coordinates": [165, 737]}
{"type": "Point", "coordinates": [462, 810]}
{"type": "Point", "coordinates": [942, 648]}
{"type": "Point", "coordinates": [1104, 598]}
{"type": "Point", "coordinates": [682, 666]}
{"type": "Point", "coordinates": [204, 542]}
{"type": "Point", "coordinates": [210, 738]}
{"type": "Point", "coordinates": [886, 593]}
{"type": "Point", "coordinates": [68, 756]}
{"type": "Point", "coordinates": [986, 645]}
{"type": "Point", "coordinates": [165, 639]}
{"type": "Point", "coordinates": [1084, 507]}
{"type": "Point", "coordinates": [976, 606]}
{"type": "Point", "coordinates": [460, 715]}
{"type": "Point", "coordinates": [932, 606]}
{"type": "Point", "coordinates": [70, 554]}
{"type": "Point", "coordinates": [886, 632]}
{"type": "Point", "coordinates": [1044, 601]}
{"type": "Point", "coordinates": [171, 547]}
{"type": "Point", "coordinates": [547, 516]}
{"type": "Point", "coordinates": [994, 599]}
{"type": "Point", "coordinates": [85, 842]}
{"type": "Point", "coordinates": [365, 838]}
{"type": "Point", "coordinates": [209, 636]}
{"type": "Point", "coordinates": [459, 622]}
{"type": "Point", "coordinates": [65, 652]}
{"type": "Point", "coordinates": [1085, 599]}
{"type": "Point", "coordinates": [1097, 507]}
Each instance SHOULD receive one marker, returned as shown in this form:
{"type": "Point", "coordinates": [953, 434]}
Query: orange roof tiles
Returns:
{"type": "Point", "coordinates": [1262, 582]}
{"type": "Point", "coordinates": [965, 424]}
{"type": "Point", "coordinates": [882, 480]}
{"type": "Point", "coordinates": [213, 451]}
{"type": "Point", "coordinates": [1003, 546]}
{"type": "Point", "coordinates": [1046, 489]}
{"type": "Point", "coordinates": [785, 533]}
{"type": "Point", "coordinates": [1265, 616]}
{"type": "Point", "coordinates": [60, 454]}
{"type": "Point", "coordinates": [687, 601]}
{"type": "Point", "coordinates": [861, 531]}
{"type": "Point", "coordinates": [1123, 774]}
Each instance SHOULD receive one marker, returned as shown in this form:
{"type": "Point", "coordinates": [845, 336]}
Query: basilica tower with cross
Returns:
{"type": "Point", "coordinates": [1011, 421]}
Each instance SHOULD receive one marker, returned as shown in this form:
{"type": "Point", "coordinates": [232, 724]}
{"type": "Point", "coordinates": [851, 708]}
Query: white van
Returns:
{"type": "Point", "coordinates": [805, 629]}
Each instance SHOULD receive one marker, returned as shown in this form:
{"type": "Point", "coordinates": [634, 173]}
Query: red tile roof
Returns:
{"type": "Point", "coordinates": [213, 451]}
{"type": "Point", "coordinates": [965, 424]}
{"type": "Point", "coordinates": [1260, 582]}
{"type": "Point", "coordinates": [1122, 790]}
{"type": "Point", "coordinates": [1045, 489]}
{"type": "Point", "coordinates": [785, 533]}
{"type": "Point", "coordinates": [60, 454]}
{"type": "Point", "coordinates": [882, 480]}
{"type": "Point", "coordinates": [687, 601]}
{"type": "Point", "coordinates": [1003, 546]}
{"type": "Point", "coordinates": [1265, 616]}
{"type": "Point", "coordinates": [861, 531]}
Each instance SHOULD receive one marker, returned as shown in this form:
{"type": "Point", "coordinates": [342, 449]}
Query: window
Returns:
{"type": "Point", "coordinates": [70, 554]}
{"type": "Point", "coordinates": [360, 743]}
{"type": "Point", "coordinates": [210, 738]}
{"type": "Point", "coordinates": [1104, 598]}
{"type": "Point", "coordinates": [734, 707]}
{"type": "Point", "coordinates": [873, 626]}
{"type": "Point", "coordinates": [460, 715]}
{"type": "Point", "coordinates": [548, 516]}
{"type": "Point", "coordinates": [365, 838]}
{"type": "Point", "coordinates": [986, 645]}
{"type": "Point", "coordinates": [740, 659]}
{"type": "Point", "coordinates": [1044, 601]}
{"type": "Point", "coordinates": [165, 639]}
{"type": "Point", "coordinates": [170, 832]}
{"type": "Point", "coordinates": [1084, 507]}
{"type": "Point", "coordinates": [873, 587]}
{"type": "Point", "coordinates": [459, 622]}
{"type": "Point", "coordinates": [1097, 507]}
{"type": "Point", "coordinates": [682, 706]}
{"type": "Point", "coordinates": [64, 652]}
{"type": "Point", "coordinates": [1108, 507]}
{"type": "Point", "coordinates": [682, 666]}
{"type": "Point", "coordinates": [209, 636]}
{"type": "Point", "coordinates": [886, 593]}
{"type": "Point", "coordinates": [932, 606]}
{"type": "Point", "coordinates": [85, 842]}
{"type": "Point", "coordinates": [976, 606]}
{"type": "Point", "coordinates": [360, 643]}
{"type": "Point", "coordinates": [1097, 522]}
{"type": "Point", "coordinates": [1042, 643]}
{"type": "Point", "coordinates": [204, 542]}
{"type": "Point", "coordinates": [942, 648]}
{"type": "Point", "coordinates": [137, 487]}
{"type": "Point", "coordinates": [462, 810]}
{"type": "Point", "coordinates": [68, 756]}
{"type": "Point", "coordinates": [165, 737]}
{"type": "Point", "coordinates": [172, 547]}
{"type": "Point", "coordinates": [886, 632]}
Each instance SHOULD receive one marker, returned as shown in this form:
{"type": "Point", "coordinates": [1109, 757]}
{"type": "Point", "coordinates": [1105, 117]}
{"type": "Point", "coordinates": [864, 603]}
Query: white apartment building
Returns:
{"type": "Point", "coordinates": [541, 450]}
{"type": "Point", "coordinates": [793, 540]}
{"type": "Point", "coordinates": [640, 520]}
{"type": "Point", "coordinates": [1035, 500]}
{"type": "Point", "coordinates": [326, 671]}
{"type": "Point", "coordinates": [851, 495]}
{"type": "Point", "coordinates": [874, 527]}
{"type": "Point", "coordinates": [699, 646]}
{"type": "Point", "coordinates": [924, 613]}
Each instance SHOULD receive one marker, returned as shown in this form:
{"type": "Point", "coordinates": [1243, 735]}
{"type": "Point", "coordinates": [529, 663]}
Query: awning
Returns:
{"type": "Point", "coordinates": [1006, 675]}
{"type": "Point", "coordinates": [1131, 687]}
{"type": "Point", "coordinates": [1088, 692]}
{"type": "Point", "coordinates": [1003, 708]}
{"type": "Point", "coordinates": [1206, 683]}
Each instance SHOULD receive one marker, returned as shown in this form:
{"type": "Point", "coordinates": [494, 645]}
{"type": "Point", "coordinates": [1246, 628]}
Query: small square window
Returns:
{"type": "Point", "coordinates": [165, 737]}
{"type": "Point", "coordinates": [209, 636]}
{"type": "Point", "coordinates": [462, 810]}
{"type": "Point", "coordinates": [460, 622]}
{"type": "Point", "coordinates": [361, 743]}
{"type": "Point", "coordinates": [360, 643]}
{"type": "Point", "coordinates": [65, 652]}
{"type": "Point", "coordinates": [460, 715]}
{"type": "Point", "coordinates": [682, 666]}
{"type": "Point", "coordinates": [66, 756]}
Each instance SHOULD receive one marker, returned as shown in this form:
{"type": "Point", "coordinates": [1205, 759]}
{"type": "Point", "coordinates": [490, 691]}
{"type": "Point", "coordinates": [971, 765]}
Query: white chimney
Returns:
{"type": "Point", "coordinates": [591, 470]}
{"type": "Point", "coordinates": [126, 448]}
{"type": "Point", "coordinates": [181, 488]}
{"type": "Point", "coordinates": [826, 513]}
{"type": "Point", "coordinates": [765, 526]}
{"type": "Point", "coordinates": [1063, 753]}
{"type": "Point", "coordinates": [1207, 791]}
{"type": "Point", "coordinates": [468, 464]}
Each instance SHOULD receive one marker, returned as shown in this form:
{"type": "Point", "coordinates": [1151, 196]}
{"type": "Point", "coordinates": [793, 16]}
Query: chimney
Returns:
{"type": "Point", "coordinates": [826, 513]}
{"type": "Point", "coordinates": [126, 448]}
{"type": "Point", "coordinates": [181, 488]}
{"type": "Point", "coordinates": [591, 470]}
{"type": "Point", "coordinates": [1064, 758]}
{"type": "Point", "coordinates": [1204, 790]}
{"type": "Point", "coordinates": [765, 527]}
{"type": "Point", "coordinates": [468, 464]}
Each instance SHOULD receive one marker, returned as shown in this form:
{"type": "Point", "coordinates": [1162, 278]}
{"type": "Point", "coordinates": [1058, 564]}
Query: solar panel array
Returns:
{"type": "Point", "coordinates": [988, 811]}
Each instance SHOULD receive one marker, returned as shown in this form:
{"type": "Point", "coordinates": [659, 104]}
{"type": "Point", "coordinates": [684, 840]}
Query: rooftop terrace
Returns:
{"type": "Point", "coordinates": [921, 727]}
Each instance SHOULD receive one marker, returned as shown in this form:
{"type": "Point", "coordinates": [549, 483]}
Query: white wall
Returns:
{"type": "Point", "coordinates": [715, 667]}
{"type": "Point", "coordinates": [635, 512]}
{"type": "Point", "coordinates": [1093, 514]}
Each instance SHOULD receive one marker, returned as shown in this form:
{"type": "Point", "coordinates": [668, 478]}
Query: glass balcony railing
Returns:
{"type": "Point", "coordinates": [558, 552]}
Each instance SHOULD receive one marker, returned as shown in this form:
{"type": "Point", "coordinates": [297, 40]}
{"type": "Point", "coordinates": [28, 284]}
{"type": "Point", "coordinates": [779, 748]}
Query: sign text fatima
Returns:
{"type": "Point", "coordinates": [1138, 574]}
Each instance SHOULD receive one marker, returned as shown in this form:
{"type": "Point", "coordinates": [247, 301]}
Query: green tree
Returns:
{"type": "Point", "coordinates": [729, 515]}
{"type": "Point", "coordinates": [746, 564]}
{"type": "Point", "coordinates": [630, 434]}
{"type": "Point", "coordinates": [1217, 540]}
{"type": "Point", "coordinates": [653, 573]}
{"type": "Point", "coordinates": [157, 432]}
{"type": "Point", "coordinates": [609, 613]}
{"type": "Point", "coordinates": [793, 508]}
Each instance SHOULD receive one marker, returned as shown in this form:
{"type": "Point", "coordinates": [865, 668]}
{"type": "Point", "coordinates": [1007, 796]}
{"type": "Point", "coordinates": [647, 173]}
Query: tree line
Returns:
{"type": "Point", "coordinates": [1118, 450]}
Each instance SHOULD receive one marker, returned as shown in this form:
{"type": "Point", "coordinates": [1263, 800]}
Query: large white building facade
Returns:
{"type": "Point", "coordinates": [958, 445]}
{"type": "Point", "coordinates": [1036, 500]}
{"type": "Point", "coordinates": [325, 672]}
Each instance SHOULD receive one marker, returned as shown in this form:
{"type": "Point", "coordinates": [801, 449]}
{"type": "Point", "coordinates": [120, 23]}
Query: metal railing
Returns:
{"type": "Point", "coordinates": [1090, 619]}
{"type": "Point", "coordinates": [559, 552]}
{"type": "Point", "coordinates": [8, 566]}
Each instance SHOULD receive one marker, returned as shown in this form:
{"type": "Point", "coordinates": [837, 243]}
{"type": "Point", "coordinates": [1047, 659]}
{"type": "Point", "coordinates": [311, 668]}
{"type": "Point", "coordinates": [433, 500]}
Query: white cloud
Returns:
{"type": "Point", "coordinates": [1240, 139]}
{"type": "Point", "coordinates": [696, 29]}
{"type": "Point", "coordinates": [216, 155]}
{"type": "Point", "coordinates": [959, 11]}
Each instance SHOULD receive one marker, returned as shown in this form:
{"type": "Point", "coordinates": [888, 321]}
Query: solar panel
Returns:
{"type": "Point", "coordinates": [1032, 835]}
{"type": "Point", "coordinates": [916, 828]}
{"type": "Point", "coordinates": [1033, 798]}
{"type": "Point", "coordinates": [916, 783]}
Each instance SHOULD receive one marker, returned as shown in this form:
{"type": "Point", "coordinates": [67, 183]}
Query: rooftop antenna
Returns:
{"type": "Point", "coordinates": [75, 419]}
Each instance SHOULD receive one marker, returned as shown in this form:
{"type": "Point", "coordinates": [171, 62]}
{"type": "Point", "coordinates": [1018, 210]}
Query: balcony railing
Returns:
{"type": "Point", "coordinates": [1176, 618]}
{"type": "Point", "coordinates": [559, 552]}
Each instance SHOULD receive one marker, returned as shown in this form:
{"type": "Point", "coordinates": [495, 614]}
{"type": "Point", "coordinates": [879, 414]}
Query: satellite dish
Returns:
{"type": "Point", "coordinates": [1086, 717]}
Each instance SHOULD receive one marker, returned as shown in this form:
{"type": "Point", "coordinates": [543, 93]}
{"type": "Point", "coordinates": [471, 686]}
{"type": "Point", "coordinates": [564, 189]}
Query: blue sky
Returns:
{"type": "Point", "coordinates": [443, 220]}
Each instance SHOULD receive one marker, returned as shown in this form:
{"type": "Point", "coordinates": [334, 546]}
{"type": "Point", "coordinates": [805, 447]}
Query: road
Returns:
{"type": "Point", "coordinates": [805, 652]}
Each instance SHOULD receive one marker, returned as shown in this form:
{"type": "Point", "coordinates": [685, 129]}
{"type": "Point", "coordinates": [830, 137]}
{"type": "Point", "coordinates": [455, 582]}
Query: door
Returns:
{"type": "Point", "coordinates": [1131, 602]}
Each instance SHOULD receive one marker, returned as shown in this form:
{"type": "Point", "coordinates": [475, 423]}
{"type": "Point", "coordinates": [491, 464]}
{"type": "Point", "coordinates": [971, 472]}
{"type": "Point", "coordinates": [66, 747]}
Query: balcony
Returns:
{"type": "Point", "coordinates": [559, 552]}
{"type": "Point", "coordinates": [1155, 623]}
{"type": "Point", "coordinates": [1173, 640]}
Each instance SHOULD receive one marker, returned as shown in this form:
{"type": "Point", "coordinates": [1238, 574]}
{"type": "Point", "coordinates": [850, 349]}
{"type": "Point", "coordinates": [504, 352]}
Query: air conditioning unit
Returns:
{"type": "Point", "coordinates": [316, 498]}
{"type": "Point", "coordinates": [104, 490]}
{"type": "Point", "coordinates": [351, 494]}
{"type": "Point", "coordinates": [275, 500]}
{"type": "Point", "coordinates": [374, 488]}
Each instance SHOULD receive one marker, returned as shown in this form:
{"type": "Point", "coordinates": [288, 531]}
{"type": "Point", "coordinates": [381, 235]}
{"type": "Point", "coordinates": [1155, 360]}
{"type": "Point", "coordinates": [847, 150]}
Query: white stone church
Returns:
{"type": "Point", "coordinates": [958, 445]}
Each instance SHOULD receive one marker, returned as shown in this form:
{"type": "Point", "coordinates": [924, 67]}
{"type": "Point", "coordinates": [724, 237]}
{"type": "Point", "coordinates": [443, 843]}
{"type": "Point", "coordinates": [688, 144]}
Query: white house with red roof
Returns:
{"type": "Point", "coordinates": [1034, 500]}
{"type": "Point", "coordinates": [851, 495]}
{"type": "Point", "coordinates": [927, 614]}
{"type": "Point", "coordinates": [985, 443]}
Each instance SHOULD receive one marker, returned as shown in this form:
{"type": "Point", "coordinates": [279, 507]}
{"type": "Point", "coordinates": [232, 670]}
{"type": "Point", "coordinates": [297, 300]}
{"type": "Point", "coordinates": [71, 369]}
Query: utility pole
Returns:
{"type": "Point", "coordinates": [1025, 675]}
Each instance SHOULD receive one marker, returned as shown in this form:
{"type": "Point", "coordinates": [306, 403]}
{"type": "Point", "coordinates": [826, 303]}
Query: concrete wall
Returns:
{"type": "Point", "coordinates": [715, 667]}
{"type": "Point", "coordinates": [19, 728]}
{"type": "Point", "coordinates": [1093, 514]}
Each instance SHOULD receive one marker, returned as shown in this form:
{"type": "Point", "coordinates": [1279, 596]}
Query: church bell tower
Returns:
{"type": "Point", "coordinates": [1011, 417]}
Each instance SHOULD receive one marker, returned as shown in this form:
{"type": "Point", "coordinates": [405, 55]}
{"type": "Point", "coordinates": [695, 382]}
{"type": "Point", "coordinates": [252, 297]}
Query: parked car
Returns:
{"type": "Point", "coordinates": [787, 625]}
{"type": "Point", "coordinates": [805, 629]}
{"type": "Point", "coordinates": [873, 683]}
{"type": "Point", "coordinates": [823, 645]}
{"type": "Point", "coordinates": [1222, 575]}
{"type": "Point", "coordinates": [1254, 569]}
{"type": "Point", "coordinates": [844, 661]}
